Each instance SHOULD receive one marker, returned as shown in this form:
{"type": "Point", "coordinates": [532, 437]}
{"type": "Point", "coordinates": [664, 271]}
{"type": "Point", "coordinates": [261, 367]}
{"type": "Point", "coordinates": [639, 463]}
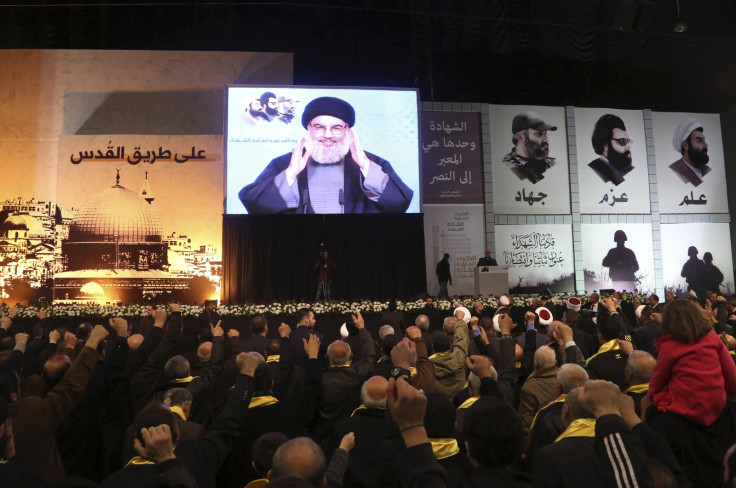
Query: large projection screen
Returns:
{"type": "Point", "coordinates": [264, 125]}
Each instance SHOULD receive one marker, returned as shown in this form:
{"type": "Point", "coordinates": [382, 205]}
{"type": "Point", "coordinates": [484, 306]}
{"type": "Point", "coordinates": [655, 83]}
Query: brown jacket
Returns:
{"type": "Point", "coordinates": [538, 391]}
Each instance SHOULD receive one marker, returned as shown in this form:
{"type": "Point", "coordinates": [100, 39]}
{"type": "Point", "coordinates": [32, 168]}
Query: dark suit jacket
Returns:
{"type": "Point", "coordinates": [685, 173]}
{"type": "Point", "coordinates": [570, 462]}
{"type": "Point", "coordinates": [257, 343]}
{"type": "Point", "coordinates": [604, 171]}
{"type": "Point", "coordinates": [262, 196]}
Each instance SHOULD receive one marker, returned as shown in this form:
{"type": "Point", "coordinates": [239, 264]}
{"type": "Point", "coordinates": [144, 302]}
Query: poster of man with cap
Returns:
{"type": "Point", "coordinates": [529, 154]}
{"type": "Point", "coordinates": [322, 163]}
{"type": "Point", "coordinates": [691, 175]}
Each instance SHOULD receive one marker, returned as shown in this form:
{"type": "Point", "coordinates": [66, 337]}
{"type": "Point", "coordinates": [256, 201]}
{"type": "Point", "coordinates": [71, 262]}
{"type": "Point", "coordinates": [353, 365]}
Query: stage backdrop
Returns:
{"type": "Point", "coordinates": [452, 189]}
{"type": "Point", "coordinates": [539, 257]}
{"type": "Point", "coordinates": [618, 256]}
{"type": "Point", "coordinates": [271, 257]}
{"type": "Point", "coordinates": [676, 242]}
{"type": "Point", "coordinates": [680, 190]}
{"type": "Point", "coordinates": [618, 184]}
{"type": "Point", "coordinates": [73, 120]}
{"type": "Point", "coordinates": [513, 191]}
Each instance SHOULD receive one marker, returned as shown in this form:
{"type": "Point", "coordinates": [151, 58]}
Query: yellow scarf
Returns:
{"type": "Point", "coordinates": [543, 410]}
{"type": "Point", "coordinates": [263, 401]}
{"type": "Point", "coordinates": [643, 388]}
{"type": "Point", "coordinates": [439, 354]}
{"type": "Point", "coordinates": [178, 411]}
{"type": "Point", "coordinates": [467, 403]}
{"type": "Point", "coordinates": [444, 448]}
{"type": "Point", "coordinates": [139, 461]}
{"type": "Point", "coordinates": [183, 380]}
{"type": "Point", "coordinates": [611, 345]}
{"type": "Point", "coordinates": [579, 428]}
{"type": "Point", "coordinates": [257, 483]}
{"type": "Point", "coordinates": [412, 371]}
{"type": "Point", "coordinates": [274, 358]}
{"type": "Point", "coordinates": [362, 407]}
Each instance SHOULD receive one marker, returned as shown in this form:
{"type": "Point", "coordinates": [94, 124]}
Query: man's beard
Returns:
{"type": "Point", "coordinates": [272, 111]}
{"type": "Point", "coordinates": [254, 113]}
{"type": "Point", "coordinates": [619, 160]}
{"type": "Point", "coordinates": [698, 158]}
{"type": "Point", "coordinates": [535, 150]}
{"type": "Point", "coordinates": [327, 154]}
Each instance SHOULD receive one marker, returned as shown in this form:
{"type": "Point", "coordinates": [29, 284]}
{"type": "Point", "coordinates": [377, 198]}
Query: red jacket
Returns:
{"type": "Point", "coordinates": [691, 379]}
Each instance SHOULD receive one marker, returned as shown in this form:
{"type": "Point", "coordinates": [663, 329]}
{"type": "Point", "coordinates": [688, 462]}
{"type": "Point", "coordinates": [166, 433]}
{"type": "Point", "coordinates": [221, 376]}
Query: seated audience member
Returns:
{"type": "Point", "coordinates": [539, 389]}
{"type": "Point", "coordinates": [648, 330]}
{"type": "Point", "coordinates": [342, 382]}
{"type": "Point", "coordinates": [639, 368]}
{"type": "Point", "coordinates": [548, 424]}
{"type": "Point", "coordinates": [263, 450]}
{"type": "Point", "coordinates": [610, 360]}
{"type": "Point", "coordinates": [369, 462]}
{"type": "Point", "coordinates": [258, 340]}
{"type": "Point", "coordinates": [448, 361]}
{"type": "Point", "coordinates": [689, 392]}
{"type": "Point", "coordinates": [301, 463]}
{"type": "Point", "coordinates": [571, 459]}
{"type": "Point", "coordinates": [201, 455]}
{"type": "Point", "coordinates": [493, 439]}
{"type": "Point", "coordinates": [441, 427]}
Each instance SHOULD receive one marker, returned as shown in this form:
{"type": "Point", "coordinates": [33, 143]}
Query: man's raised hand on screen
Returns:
{"type": "Point", "coordinates": [356, 151]}
{"type": "Point", "coordinates": [299, 159]}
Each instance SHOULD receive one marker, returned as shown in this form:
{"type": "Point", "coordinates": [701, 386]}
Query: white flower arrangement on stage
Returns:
{"type": "Point", "coordinates": [290, 307]}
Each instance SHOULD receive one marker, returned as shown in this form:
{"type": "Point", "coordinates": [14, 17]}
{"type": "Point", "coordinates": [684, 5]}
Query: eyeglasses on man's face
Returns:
{"type": "Point", "coordinates": [320, 129]}
{"type": "Point", "coordinates": [624, 141]}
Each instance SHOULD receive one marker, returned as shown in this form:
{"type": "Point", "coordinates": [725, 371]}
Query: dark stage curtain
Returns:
{"type": "Point", "coordinates": [267, 257]}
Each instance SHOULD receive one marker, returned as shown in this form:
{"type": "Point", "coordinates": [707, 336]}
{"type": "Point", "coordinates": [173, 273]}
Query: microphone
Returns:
{"type": "Point", "coordinates": [305, 198]}
{"type": "Point", "coordinates": [341, 200]}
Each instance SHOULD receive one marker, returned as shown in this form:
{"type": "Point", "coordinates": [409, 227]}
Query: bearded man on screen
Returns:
{"type": "Point", "coordinates": [328, 171]}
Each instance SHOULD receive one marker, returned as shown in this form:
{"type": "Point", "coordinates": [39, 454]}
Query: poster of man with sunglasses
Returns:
{"type": "Point", "coordinates": [615, 179]}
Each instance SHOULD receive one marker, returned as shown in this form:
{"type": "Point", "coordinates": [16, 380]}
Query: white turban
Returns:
{"type": "Point", "coordinates": [683, 131]}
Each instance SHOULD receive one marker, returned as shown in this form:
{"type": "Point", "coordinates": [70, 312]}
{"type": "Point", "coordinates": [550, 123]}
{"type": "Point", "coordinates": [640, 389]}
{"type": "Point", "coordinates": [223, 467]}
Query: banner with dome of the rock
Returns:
{"type": "Point", "coordinates": [143, 217]}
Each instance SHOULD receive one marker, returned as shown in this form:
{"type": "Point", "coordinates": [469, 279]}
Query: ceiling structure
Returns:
{"type": "Point", "coordinates": [606, 53]}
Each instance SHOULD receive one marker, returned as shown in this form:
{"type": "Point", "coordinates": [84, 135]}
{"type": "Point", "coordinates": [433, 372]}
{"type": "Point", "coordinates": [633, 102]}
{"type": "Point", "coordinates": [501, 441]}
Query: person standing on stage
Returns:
{"type": "Point", "coordinates": [443, 275]}
{"type": "Point", "coordinates": [325, 267]}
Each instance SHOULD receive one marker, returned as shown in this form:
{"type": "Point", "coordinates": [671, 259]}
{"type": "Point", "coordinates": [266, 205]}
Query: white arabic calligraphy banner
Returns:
{"type": "Point", "coordinates": [681, 190]}
{"type": "Point", "coordinates": [611, 182]}
{"type": "Point", "coordinates": [458, 231]}
{"type": "Point", "coordinates": [547, 190]}
{"type": "Point", "coordinates": [618, 256]}
{"type": "Point", "coordinates": [538, 257]}
{"type": "Point", "coordinates": [676, 242]}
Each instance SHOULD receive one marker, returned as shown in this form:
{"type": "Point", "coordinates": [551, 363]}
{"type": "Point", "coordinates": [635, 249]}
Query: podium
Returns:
{"type": "Point", "coordinates": [491, 279]}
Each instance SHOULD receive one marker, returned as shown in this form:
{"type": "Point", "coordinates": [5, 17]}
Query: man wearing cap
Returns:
{"type": "Point", "coordinates": [611, 142]}
{"type": "Point", "coordinates": [328, 171]}
{"type": "Point", "coordinates": [689, 141]}
{"type": "Point", "coordinates": [529, 158]}
{"type": "Point", "coordinates": [286, 109]}
{"type": "Point", "coordinates": [621, 263]}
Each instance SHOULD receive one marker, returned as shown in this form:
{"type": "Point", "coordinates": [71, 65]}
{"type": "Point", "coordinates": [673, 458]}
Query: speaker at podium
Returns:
{"type": "Point", "coordinates": [491, 280]}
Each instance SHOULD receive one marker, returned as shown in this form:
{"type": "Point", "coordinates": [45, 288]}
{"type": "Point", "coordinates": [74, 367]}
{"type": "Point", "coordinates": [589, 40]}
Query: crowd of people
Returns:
{"type": "Point", "coordinates": [601, 393]}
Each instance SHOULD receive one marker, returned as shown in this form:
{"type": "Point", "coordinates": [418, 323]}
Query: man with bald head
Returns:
{"type": "Point", "coordinates": [571, 460]}
{"type": "Point", "coordinates": [638, 371]}
{"type": "Point", "coordinates": [369, 462]}
{"type": "Point", "coordinates": [328, 171]}
{"type": "Point", "coordinates": [539, 388]}
{"type": "Point", "coordinates": [342, 381]}
{"type": "Point", "coordinates": [299, 459]}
